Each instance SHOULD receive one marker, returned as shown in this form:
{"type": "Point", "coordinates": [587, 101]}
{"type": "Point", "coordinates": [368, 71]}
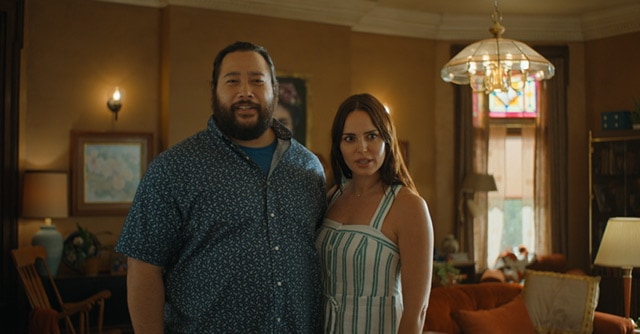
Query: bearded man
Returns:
{"type": "Point", "coordinates": [220, 235]}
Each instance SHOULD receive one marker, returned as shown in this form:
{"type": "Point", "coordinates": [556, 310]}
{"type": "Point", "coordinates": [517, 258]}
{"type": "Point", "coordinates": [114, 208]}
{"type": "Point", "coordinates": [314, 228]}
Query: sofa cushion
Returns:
{"type": "Point", "coordinates": [509, 318]}
{"type": "Point", "coordinates": [444, 301]}
{"type": "Point", "coordinates": [561, 303]}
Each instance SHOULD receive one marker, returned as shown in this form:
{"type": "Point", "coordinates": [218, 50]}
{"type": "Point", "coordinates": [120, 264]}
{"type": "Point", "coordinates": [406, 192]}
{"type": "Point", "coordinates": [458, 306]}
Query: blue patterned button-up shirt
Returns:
{"type": "Point", "coordinates": [237, 246]}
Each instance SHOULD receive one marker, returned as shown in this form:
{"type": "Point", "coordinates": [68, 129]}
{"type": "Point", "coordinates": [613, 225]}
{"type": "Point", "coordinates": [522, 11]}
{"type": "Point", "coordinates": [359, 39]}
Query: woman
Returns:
{"type": "Point", "coordinates": [376, 231]}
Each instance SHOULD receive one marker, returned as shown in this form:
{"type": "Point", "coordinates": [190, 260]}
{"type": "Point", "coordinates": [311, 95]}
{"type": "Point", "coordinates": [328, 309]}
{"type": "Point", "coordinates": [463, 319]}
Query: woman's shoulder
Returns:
{"type": "Point", "coordinates": [409, 204]}
{"type": "Point", "coordinates": [410, 197]}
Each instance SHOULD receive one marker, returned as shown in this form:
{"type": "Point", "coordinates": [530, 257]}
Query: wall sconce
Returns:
{"type": "Point", "coordinates": [115, 103]}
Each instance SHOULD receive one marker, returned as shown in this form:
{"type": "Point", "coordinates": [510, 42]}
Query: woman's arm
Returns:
{"type": "Point", "coordinates": [414, 230]}
{"type": "Point", "coordinates": [145, 296]}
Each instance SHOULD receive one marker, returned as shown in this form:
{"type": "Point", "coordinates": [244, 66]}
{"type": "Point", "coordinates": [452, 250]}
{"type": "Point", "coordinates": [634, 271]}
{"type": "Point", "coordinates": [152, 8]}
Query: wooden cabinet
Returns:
{"type": "Point", "coordinates": [614, 183]}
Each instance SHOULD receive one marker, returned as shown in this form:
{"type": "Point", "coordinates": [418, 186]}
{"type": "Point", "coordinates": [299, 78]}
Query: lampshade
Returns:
{"type": "Point", "coordinates": [497, 63]}
{"type": "Point", "coordinates": [45, 194]}
{"type": "Point", "coordinates": [479, 182]}
{"type": "Point", "coordinates": [620, 244]}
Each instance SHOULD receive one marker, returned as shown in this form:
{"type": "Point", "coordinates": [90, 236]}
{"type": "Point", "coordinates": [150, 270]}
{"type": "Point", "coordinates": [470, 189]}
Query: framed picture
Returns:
{"type": "Point", "coordinates": [106, 169]}
{"type": "Point", "coordinates": [292, 106]}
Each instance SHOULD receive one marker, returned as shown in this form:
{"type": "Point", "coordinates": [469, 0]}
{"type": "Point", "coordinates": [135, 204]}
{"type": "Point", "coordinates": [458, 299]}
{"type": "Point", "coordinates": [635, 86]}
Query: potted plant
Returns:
{"type": "Point", "coordinates": [444, 273]}
{"type": "Point", "coordinates": [81, 250]}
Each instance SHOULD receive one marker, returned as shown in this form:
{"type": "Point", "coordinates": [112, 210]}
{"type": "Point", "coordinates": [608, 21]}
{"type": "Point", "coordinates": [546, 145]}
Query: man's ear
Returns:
{"type": "Point", "coordinates": [276, 91]}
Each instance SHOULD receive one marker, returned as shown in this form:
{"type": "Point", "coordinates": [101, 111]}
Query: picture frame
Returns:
{"type": "Point", "coordinates": [106, 169]}
{"type": "Point", "coordinates": [292, 105]}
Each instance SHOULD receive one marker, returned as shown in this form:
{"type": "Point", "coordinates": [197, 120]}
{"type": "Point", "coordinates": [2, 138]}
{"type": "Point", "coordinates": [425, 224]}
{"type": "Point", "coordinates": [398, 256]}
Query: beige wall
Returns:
{"type": "Point", "coordinates": [612, 82]}
{"type": "Point", "coordinates": [77, 51]}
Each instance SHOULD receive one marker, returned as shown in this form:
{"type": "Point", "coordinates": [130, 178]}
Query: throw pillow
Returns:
{"type": "Point", "coordinates": [508, 318]}
{"type": "Point", "coordinates": [561, 303]}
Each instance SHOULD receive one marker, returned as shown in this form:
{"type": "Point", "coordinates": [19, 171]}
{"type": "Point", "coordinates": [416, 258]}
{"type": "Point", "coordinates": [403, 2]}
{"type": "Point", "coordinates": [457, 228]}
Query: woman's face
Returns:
{"type": "Point", "coordinates": [283, 116]}
{"type": "Point", "coordinates": [362, 146]}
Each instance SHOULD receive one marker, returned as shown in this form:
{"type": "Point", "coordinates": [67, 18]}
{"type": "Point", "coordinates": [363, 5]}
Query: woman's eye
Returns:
{"type": "Point", "coordinates": [373, 135]}
{"type": "Point", "coordinates": [347, 138]}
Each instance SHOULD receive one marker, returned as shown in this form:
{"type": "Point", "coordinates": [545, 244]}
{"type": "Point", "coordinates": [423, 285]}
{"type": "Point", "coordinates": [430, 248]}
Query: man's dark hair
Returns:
{"type": "Point", "coordinates": [243, 46]}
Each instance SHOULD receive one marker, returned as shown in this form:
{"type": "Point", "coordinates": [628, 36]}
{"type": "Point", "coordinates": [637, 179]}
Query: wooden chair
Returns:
{"type": "Point", "coordinates": [25, 259]}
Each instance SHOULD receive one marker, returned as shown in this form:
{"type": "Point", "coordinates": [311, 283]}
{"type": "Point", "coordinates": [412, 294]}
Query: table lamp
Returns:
{"type": "Point", "coordinates": [620, 247]}
{"type": "Point", "coordinates": [45, 195]}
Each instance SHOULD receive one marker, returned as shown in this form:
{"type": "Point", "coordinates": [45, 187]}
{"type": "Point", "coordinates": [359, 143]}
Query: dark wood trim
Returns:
{"type": "Point", "coordinates": [11, 29]}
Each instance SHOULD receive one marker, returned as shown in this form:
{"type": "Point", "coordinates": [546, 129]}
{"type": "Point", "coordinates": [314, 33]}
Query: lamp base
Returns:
{"type": "Point", "coordinates": [51, 240]}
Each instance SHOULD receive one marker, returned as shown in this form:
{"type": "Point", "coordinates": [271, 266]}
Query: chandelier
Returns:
{"type": "Point", "coordinates": [497, 63]}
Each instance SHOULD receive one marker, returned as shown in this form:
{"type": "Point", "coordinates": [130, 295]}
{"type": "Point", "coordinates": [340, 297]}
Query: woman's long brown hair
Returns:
{"type": "Point", "coordinates": [393, 170]}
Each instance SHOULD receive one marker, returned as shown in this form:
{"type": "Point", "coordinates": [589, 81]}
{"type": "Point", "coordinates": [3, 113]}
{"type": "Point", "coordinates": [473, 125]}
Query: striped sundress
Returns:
{"type": "Point", "coordinates": [360, 274]}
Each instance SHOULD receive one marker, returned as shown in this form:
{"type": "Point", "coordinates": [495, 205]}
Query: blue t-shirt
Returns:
{"type": "Point", "coordinates": [261, 155]}
{"type": "Point", "coordinates": [237, 246]}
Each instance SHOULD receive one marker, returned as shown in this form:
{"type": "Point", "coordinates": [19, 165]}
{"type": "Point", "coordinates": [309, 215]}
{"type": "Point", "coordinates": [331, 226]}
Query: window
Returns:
{"type": "Point", "coordinates": [515, 104]}
{"type": "Point", "coordinates": [511, 160]}
{"type": "Point", "coordinates": [550, 165]}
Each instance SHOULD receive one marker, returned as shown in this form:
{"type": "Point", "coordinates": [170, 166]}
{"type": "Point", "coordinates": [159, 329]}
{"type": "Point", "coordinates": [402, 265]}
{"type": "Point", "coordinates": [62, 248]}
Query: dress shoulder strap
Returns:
{"type": "Point", "coordinates": [384, 206]}
{"type": "Point", "coordinates": [336, 194]}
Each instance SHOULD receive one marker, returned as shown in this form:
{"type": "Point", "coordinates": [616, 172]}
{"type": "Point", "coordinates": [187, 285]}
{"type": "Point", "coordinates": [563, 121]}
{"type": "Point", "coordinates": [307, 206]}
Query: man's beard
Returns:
{"type": "Point", "coordinates": [228, 124]}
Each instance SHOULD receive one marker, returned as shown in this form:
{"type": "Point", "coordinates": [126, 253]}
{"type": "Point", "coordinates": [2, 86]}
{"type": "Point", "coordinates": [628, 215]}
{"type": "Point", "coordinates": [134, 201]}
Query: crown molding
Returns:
{"type": "Point", "coordinates": [616, 21]}
{"type": "Point", "coordinates": [370, 17]}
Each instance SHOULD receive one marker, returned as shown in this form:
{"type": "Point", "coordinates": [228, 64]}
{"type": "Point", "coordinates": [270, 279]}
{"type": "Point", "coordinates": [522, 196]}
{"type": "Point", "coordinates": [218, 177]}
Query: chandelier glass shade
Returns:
{"type": "Point", "coordinates": [497, 63]}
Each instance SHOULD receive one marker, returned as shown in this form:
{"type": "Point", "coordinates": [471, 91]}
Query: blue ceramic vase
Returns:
{"type": "Point", "coordinates": [51, 240]}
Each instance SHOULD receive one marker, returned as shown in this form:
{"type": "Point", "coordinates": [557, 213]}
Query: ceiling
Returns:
{"type": "Point", "coordinates": [535, 20]}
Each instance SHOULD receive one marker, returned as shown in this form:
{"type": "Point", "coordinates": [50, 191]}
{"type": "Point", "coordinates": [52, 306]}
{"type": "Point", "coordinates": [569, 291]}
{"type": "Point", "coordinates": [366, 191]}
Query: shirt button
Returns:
{"type": "Point", "coordinates": [276, 248]}
{"type": "Point", "coordinates": [278, 319]}
{"type": "Point", "coordinates": [279, 283]}
{"type": "Point", "coordinates": [272, 215]}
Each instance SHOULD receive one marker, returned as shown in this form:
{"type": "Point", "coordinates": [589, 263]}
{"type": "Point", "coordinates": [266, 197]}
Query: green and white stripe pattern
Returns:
{"type": "Point", "coordinates": [360, 274]}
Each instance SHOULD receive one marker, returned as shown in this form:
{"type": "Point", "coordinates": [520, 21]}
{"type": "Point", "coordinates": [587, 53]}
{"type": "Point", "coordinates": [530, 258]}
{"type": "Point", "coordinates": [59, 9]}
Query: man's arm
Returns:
{"type": "Point", "coordinates": [145, 296]}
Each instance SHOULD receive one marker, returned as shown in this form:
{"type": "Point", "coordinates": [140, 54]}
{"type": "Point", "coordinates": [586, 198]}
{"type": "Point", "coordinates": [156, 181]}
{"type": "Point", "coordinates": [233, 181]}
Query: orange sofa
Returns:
{"type": "Point", "coordinates": [446, 302]}
{"type": "Point", "coordinates": [555, 262]}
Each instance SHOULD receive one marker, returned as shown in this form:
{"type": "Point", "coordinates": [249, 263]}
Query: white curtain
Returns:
{"type": "Point", "coordinates": [511, 161]}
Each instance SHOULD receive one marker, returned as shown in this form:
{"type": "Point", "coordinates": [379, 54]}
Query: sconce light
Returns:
{"type": "Point", "coordinates": [115, 103]}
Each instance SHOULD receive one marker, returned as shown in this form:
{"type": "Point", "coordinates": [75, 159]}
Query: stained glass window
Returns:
{"type": "Point", "coordinates": [515, 104]}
